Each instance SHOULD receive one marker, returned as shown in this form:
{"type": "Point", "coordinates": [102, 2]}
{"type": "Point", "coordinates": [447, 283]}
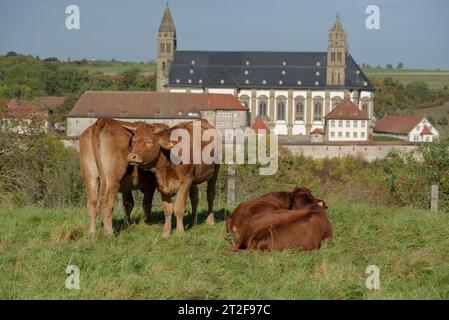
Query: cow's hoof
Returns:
{"type": "Point", "coordinates": [165, 234]}
{"type": "Point", "coordinates": [210, 219]}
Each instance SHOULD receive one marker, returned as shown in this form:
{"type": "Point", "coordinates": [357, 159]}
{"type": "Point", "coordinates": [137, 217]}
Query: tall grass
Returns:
{"type": "Point", "coordinates": [36, 245]}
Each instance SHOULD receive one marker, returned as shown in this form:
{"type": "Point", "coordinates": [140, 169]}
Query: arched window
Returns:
{"type": "Point", "coordinates": [335, 101]}
{"type": "Point", "coordinates": [280, 114]}
{"type": "Point", "coordinates": [365, 107]}
{"type": "Point", "coordinates": [168, 47]}
{"type": "Point", "coordinates": [162, 47]}
{"type": "Point", "coordinates": [317, 111]}
{"type": "Point", "coordinates": [262, 109]}
{"type": "Point", "coordinates": [299, 111]}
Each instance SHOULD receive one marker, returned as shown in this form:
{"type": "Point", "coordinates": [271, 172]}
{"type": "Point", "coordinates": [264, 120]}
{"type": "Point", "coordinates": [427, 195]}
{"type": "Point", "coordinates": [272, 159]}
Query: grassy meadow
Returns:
{"type": "Point", "coordinates": [436, 80]}
{"type": "Point", "coordinates": [411, 248]}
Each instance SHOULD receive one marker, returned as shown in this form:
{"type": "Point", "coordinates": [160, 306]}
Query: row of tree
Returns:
{"type": "Point", "coordinates": [394, 97]}
{"type": "Point", "coordinates": [28, 77]}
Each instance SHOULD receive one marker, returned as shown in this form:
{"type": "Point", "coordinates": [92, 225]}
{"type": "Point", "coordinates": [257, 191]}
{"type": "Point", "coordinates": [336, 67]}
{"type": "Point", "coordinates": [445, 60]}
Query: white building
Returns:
{"type": "Point", "coordinates": [408, 128]}
{"type": "Point", "coordinates": [291, 91]}
{"type": "Point", "coordinates": [347, 123]}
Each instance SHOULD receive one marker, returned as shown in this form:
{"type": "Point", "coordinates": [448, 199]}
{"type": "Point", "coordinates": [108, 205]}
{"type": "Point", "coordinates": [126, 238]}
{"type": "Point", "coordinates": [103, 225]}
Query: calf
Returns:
{"type": "Point", "coordinates": [151, 151]}
{"type": "Point", "coordinates": [104, 148]}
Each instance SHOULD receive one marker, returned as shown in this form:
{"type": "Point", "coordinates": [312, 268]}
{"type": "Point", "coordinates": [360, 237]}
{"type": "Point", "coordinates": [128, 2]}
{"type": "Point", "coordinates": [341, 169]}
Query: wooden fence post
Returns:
{"type": "Point", "coordinates": [230, 194]}
{"type": "Point", "coordinates": [434, 198]}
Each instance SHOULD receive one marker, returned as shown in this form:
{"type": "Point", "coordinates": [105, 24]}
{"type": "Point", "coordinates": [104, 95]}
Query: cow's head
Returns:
{"type": "Point", "coordinates": [147, 143]}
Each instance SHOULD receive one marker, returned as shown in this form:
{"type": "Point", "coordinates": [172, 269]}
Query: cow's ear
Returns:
{"type": "Point", "coordinates": [167, 145]}
{"type": "Point", "coordinates": [131, 129]}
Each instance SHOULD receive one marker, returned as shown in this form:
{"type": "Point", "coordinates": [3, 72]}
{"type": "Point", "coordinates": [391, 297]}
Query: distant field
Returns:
{"type": "Point", "coordinates": [120, 68]}
{"type": "Point", "coordinates": [410, 247]}
{"type": "Point", "coordinates": [435, 79]}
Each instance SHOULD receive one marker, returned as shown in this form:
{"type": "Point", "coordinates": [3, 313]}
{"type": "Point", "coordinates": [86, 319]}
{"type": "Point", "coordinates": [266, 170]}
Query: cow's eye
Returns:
{"type": "Point", "coordinates": [149, 142]}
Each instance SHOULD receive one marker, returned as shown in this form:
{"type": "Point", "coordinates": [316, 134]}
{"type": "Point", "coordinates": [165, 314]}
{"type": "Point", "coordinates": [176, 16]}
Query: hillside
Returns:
{"type": "Point", "coordinates": [436, 80]}
{"type": "Point", "coordinates": [409, 246]}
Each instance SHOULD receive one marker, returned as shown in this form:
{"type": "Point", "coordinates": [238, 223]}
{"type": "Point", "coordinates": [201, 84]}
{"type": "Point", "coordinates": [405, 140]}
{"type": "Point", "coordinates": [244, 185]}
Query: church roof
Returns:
{"type": "Point", "coordinates": [346, 110]}
{"type": "Point", "coordinates": [255, 69]}
{"type": "Point", "coordinates": [167, 24]}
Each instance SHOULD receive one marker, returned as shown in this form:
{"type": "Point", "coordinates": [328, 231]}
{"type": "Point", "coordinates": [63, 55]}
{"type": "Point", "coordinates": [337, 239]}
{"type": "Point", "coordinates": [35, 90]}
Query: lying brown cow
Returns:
{"type": "Point", "coordinates": [104, 148]}
{"type": "Point", "coordinates": [301, 227]}
{"type": "Point", "coordinates": [151, 152]}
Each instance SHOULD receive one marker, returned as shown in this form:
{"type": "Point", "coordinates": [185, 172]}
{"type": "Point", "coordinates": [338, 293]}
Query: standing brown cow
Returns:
{"type": "Point", "coordinates": [104, 148]}
{"type": "Point", "coordinates": [152, 152]}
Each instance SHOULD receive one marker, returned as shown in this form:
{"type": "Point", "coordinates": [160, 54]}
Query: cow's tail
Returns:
{"type": "Point", "coordinates": [96, 147]}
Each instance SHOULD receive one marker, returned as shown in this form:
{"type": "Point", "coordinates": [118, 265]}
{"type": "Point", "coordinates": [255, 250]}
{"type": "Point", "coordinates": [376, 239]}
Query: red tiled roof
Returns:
{"type": "Point", "coordinates": [426, 131]}
{"type": "Point", "coordinates": [141, 104]}
{"type": "Point", "coordinates": [259, 124]}
{"type": "Point", "coordinates": [317, 131]}
{"type": "Point", "coordinates": [24, 109]}
{"type": "Point", "coordinates": [396, 124]}
{"type": "Point", "coordinates": [49, 102]}
{"type": "Point", "coordinates": [346, 110]}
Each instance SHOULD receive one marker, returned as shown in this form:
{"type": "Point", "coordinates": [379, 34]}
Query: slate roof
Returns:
{"type": "Point", "coordinates": [153, 105]}
{"type": "Point", "coordinates": [296, 70]}
{"type": "Point", "coordinates": [346, 110]}
{"type": "Point", "coordinates": [396, 124]}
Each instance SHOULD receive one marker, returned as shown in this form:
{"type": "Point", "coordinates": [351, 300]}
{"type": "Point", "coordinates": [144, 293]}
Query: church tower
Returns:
{"type": "Point", "coordinates": [337, 52]}
{"type": "Point", "coordinates": [166, 48]}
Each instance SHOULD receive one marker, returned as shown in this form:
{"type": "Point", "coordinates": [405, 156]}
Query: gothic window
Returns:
{"type": "Point", "coordinates": [162, 47]}
{"type": "Point", "coordinates": [245, 101]}
{"type": "Point", "coordinates": [280, 114]}
{"type": "Point", "coordinates": [335, 101]}
{"type": "Point", "coordinates": [338, 77]}
{"type": "Point", "coordinates": [262, 108]}
{"type": "Point", "coordinates": [365, 107]}
{"type": "Point", "coordinates": [333, 56]}
{"type": "Point", "coordinates": [317, 111]}
{"type": "Point", "coordinates": [168, 47]}
{"type": "Point", "coordinates": [299, 111]}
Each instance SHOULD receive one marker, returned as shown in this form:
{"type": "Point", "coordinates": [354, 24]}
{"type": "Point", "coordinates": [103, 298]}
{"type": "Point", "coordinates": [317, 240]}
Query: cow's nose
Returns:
{"type": "Point", "coordinates": [134, 158]}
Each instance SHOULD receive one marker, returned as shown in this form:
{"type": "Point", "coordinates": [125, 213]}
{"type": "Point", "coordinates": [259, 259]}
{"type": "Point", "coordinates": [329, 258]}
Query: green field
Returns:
{"type": "Point", "coordinates": [411, 248]}
{"type": "Point", "coordinates": [436, 80]}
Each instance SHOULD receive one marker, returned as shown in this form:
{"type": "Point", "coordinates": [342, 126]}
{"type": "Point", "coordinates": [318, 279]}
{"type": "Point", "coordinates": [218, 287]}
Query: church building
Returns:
{"type": "Point", "coordinates": [292, 92]}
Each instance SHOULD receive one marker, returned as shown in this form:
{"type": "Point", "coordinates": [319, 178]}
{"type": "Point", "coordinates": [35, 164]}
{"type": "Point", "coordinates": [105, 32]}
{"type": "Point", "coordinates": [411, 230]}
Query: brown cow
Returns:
{"type": "Point", "coordinates": [302, 227]}
{"type": "Point", "coordinates": [104, 148]}
{"type": "Point", "coordinates": [152, 152]}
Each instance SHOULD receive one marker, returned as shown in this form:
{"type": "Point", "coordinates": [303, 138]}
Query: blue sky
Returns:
{"type": "Point", "coordinates": [414, 32]}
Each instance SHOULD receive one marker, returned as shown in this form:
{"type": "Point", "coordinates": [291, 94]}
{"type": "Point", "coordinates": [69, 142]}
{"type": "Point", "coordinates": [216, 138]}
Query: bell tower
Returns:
{"type": "Point", "coordinates": [337, 52]}
{"type": "Point", "coordinates": [166, 48]}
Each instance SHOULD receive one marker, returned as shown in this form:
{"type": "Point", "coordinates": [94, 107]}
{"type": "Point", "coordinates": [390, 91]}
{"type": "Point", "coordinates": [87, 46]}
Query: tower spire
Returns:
{"type": "Point", "coordinates": [167, 23]}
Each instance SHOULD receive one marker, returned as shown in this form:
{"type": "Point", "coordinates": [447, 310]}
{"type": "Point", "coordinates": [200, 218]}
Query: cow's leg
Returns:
{"type": "Point", "coordinates": [92, 202]}
{"type": "Point", "coordinates": [107, 205]}
{"type": "Point", "coordinates": [148, 201]}
{"type": "Point", "coordinates": [128, 205]}
{"type": "Point", "coordinates": [211, 183]}
{"type": "Point", "coordinates": [168, 209]}
{"type": "Point", "coordinates": [193, 195]}
{"type": "Point", "coordinates": [180, 206]}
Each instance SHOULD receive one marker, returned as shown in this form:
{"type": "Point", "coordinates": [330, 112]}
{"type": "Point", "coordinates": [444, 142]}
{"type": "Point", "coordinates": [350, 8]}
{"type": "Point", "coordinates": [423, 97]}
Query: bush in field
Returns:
{"type": "Point", "coordinates": [408, 179]}
{"type": "Point", "coordinates": [36, 168]}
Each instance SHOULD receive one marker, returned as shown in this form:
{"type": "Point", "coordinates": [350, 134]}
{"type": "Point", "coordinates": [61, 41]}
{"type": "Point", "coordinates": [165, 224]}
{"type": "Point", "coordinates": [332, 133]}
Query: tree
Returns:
{"type": "Point", "coordinates": [400, 66]}
{"type": "Point", "coordinates": [418, 91]}
{"type": "Point", "coordinates": [389, 66]}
